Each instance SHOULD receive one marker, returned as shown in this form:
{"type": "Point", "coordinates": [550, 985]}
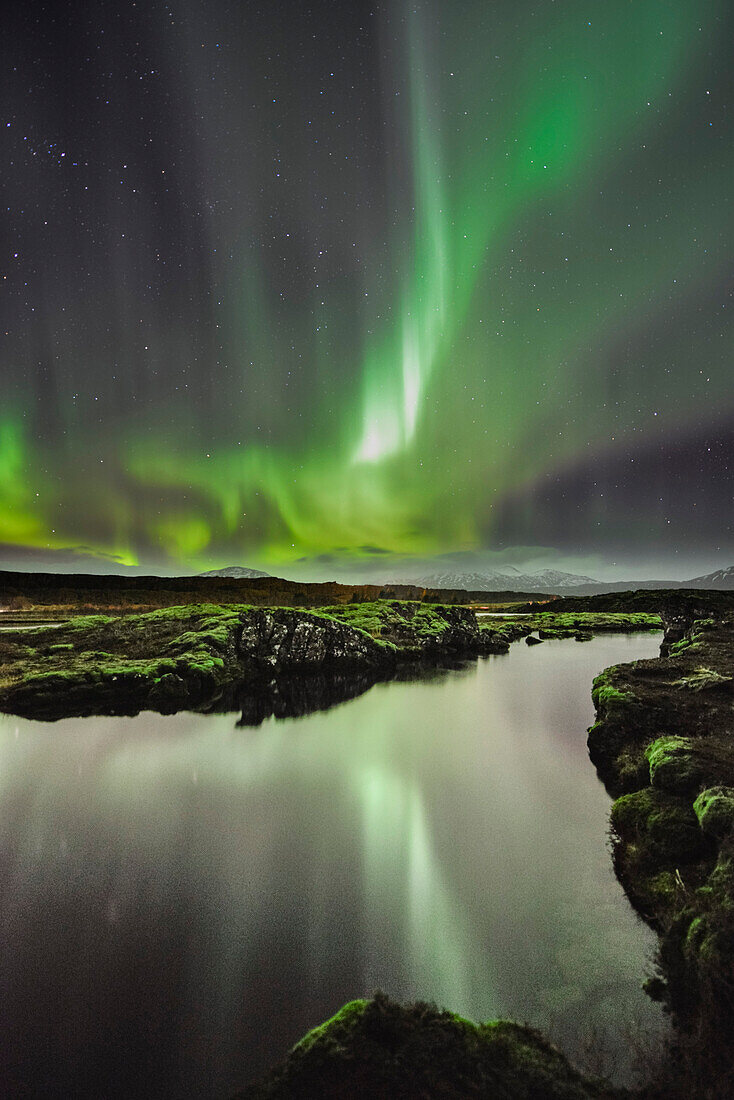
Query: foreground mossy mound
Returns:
{"type": "Point", "coordinates": [382, 1050]}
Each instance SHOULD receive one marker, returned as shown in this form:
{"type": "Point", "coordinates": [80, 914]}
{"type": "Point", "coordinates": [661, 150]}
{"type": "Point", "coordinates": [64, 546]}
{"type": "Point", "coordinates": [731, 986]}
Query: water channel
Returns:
{"type": "Point", "coordinates": [182, 898]}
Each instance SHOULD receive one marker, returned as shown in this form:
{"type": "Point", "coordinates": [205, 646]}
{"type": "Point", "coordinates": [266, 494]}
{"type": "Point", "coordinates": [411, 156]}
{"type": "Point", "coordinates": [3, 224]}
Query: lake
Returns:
{"type": "Point", "coordinates": [182, 898]}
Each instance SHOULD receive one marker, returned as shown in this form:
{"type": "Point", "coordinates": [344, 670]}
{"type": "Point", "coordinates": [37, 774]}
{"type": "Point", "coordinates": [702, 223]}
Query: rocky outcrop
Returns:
{"type": "Point", "coordinates": [293, 641]}
{"type": "Point", "coordinates": [262, 661]}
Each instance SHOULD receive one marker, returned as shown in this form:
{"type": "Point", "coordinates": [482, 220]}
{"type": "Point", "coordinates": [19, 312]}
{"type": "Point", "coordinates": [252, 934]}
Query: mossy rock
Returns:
{"type": "Point", "coordinates": [664, 889]}
{"type": "Point", "coordinates": [379, 1049]}
{"type": "Point", "coordinates": [583, 636]}
{"type": "Point", "coordinates": [714, 809]}
{"type": "Point", "coordinates": [674, 764]}
{"type": "Point", "coordinates": [721, 881]}
{"type": "Point", "coordinates": [621, 769]}
{"type": "Point", "coordinates": [661, 823]}
{"type": "Point", "coordinates": [631, 771]}
{"type": "Point", "coordinates": [606, 695]}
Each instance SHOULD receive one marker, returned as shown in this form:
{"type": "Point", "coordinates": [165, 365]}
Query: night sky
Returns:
{"type": "Point", "coordinates": [351, 282]}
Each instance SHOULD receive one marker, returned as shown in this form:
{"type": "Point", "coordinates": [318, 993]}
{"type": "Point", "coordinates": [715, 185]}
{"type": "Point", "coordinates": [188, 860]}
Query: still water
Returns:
{"type": "Point", "coordinates": [181, 899]}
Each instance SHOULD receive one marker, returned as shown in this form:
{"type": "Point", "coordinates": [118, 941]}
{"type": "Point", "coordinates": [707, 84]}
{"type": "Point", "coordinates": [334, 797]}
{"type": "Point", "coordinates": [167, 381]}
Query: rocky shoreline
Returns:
{"type": "Point", "coordinates": [663, 744]}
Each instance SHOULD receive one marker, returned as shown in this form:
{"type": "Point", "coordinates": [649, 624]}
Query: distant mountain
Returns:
{"type": "Point", "coordinates": [556, 581]}
{"type": "Point", "coordinates": [239, 572]}
{"type": "Point", "coordinates": [513, 580]}
{"type": "Point", "coordinates": [723, 579]}
{"type": "Point", "coordinates": [598, 587]}
{"type": "Point", "coordinates": [544, 580]}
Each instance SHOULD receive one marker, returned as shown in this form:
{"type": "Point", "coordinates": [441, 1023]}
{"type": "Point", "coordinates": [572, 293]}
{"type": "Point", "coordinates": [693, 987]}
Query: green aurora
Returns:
{"type": "Point", "coordinates": [387, 298]}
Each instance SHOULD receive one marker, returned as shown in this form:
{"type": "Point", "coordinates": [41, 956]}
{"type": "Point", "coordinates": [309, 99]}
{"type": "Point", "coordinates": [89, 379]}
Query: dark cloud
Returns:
{"type": "Point", "coordinates": [58, 560]}
{"type": "Point", "coordinates": [671, 495]}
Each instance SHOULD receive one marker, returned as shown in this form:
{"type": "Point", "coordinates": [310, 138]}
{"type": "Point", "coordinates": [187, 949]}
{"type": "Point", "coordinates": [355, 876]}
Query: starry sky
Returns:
{"type": "Point", "coordinates": [299, 285]}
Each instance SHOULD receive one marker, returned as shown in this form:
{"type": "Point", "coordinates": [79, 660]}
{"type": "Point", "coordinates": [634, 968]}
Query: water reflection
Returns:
{"type": "Point", "coordinates": [182, 898]}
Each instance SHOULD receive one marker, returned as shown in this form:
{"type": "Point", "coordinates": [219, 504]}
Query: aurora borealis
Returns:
{"type": "Point", "coordinates": [338, 281]}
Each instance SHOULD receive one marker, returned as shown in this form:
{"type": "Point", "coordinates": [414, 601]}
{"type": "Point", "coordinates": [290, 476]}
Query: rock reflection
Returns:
{"type": "Point", "coordinates": [297, 696]}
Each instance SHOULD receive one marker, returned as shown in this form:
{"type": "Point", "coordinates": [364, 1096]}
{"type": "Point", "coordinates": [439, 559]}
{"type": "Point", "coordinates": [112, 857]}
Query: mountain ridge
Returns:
{"type": "Point", "coordinates": [561, 583]}
{"type": "Point", "coordinates": [510, 579]}
{"type": "Point", "coordinates": [542, 580]}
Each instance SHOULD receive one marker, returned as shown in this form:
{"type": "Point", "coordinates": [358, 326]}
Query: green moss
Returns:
{"type": "Point", "coordinates": [721, 879]}
{"type": "Point", "coordinates": [701, 679]}
{"type": "Point", "coordinates": [664, 824]}
{"type": "Point", "coordinates": [660, 749]}
{"type": "Point", "coordinates": [61, 647]}
{"type": "Point", "coordinates": [381, 1049]}
{"type": "Point", "coordinates": [714, 809]}
{"type": "Point", "coordinates": [83, 623]}
{"type": "Point", "coordinates": [695, 935]}
{"type": "Point", "coordinates": [605, 694]}
{"type": "Point", "coordinates": [46, 679]}
{"type": "Point", "coordinates": [683, 645]}
{"type": "Point", "coordinates": [217, 638]}
{"type": "Point", "coordinates": [664, 888]}
{"type": "Point", "coordinates": [397, 622]}
{"type": "Point", "coordinates": [631, 769]}
{"type": "Point", "coordinates": [333, 1031]}
{"type": "Point", "coordinates": [596, 622]}
{"type": "Point", "coordinates": [674, 765]}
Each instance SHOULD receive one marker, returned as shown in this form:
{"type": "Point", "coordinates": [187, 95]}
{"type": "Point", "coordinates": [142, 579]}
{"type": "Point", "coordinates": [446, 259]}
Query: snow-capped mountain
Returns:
{"type": "Point", "coordinates": [239, 572]}
{"type": "Point", "coordinates": [544, 580]}
{"type": "Point", "coordinates": [556, 578]}
{"type": "Point", "coordinates": [723, 579]}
